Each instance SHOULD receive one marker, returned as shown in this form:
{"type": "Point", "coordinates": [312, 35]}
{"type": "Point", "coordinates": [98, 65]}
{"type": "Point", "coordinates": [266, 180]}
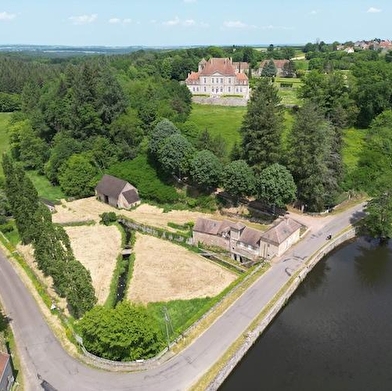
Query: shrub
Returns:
{"type": "Point", "coordinates": [108, 217]}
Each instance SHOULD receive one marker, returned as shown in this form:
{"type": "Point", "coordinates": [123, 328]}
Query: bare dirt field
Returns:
{"type": "Point", "coordinates": [164, 271]}
{"type": "Point", "coordinates": [97, 248]}
{"type": "Point", "coordinates": [90, 209]}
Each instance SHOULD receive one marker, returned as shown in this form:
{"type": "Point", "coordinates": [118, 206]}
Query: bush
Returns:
{"type": "Point", "coordinates": [140, 173]}
{"type": "Point", "coordinates": [108, 217]}
{"type": "Point", "coordinates": [6, 227]}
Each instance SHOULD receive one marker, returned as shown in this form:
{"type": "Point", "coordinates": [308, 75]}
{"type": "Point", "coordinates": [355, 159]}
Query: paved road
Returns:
{"type": "Point", "coordinates": [48, 366]}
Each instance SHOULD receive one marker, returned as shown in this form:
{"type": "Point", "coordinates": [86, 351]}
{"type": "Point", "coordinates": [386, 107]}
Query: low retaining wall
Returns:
{"type": "Point", "coordinates": [220, 101]}
{"type": "Point", "coordinates": [254, 334]}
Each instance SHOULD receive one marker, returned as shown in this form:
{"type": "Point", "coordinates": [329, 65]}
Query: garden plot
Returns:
{"type": "Point", "coordinates": [97, 248]}
{"type": "Point", "coordinates": [164, 271]}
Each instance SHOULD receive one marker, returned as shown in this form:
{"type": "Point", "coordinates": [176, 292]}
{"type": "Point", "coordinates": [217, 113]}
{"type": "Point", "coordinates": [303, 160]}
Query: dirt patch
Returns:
{"type": "Point", "coordinates": [164, 271]}
{"type": "Point", "coordinates": [97, 248]}
{"type": "Point", "coordinates": [89, 209]}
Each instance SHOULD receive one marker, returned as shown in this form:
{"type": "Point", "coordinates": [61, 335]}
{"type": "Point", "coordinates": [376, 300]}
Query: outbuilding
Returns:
{"type": "Point", "coordinates": [117, 192]}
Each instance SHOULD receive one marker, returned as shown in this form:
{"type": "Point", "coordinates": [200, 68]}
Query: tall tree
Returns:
{"type": "Point", "coordinates": [310, 157]}
{"type": "Point", "coordinates": [275, 184]}
{"type": "Point", "coordinates": [238, 179]}
{"type": "Point", "coordinates": [206, 169]}
{"type": "Point", "coordinates": [162, 130]}
{"type": "Point", "coordinates": [262, 126]}
{"type": "Point", "coordinates": [269, 69]}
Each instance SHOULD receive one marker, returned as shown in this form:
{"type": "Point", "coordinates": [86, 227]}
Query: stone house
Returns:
{"type": "Point", "coordinates": [246, 243]}
{"type": "Point", "coordinates": [6, 374]}
{"type": "Point", "coordinates": [219, 76]}
{"type": "Point", "coordinates": [279, 65]}
{"type": "Point", "coordinates": [117, 192]}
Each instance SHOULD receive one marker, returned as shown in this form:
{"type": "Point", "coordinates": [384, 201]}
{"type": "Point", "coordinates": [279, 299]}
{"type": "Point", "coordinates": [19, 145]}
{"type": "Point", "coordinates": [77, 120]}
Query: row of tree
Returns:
{"type": "Point", "coordinates": [52, 249]}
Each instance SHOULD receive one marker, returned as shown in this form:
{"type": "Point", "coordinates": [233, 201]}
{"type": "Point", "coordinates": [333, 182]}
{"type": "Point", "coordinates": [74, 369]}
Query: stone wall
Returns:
{"type": "Point", "coordinates": [219, 101]}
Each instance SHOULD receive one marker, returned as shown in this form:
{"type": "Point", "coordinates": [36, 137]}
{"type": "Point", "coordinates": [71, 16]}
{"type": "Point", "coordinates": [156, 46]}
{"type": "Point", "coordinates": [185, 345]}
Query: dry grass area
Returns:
{"type": "Point", "coordinates": [164, 271]}
{"type": "Point", "coordinates": [27, 253]}
{"type": "Point", "coordinates": [97, 248]}
{"type": "Point", "coordinates": [90, 209]}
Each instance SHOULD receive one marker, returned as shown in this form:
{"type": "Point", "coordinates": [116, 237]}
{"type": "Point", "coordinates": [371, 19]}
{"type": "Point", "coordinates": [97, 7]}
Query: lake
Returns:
{"type": "Point", "coordinates": [335, 333]}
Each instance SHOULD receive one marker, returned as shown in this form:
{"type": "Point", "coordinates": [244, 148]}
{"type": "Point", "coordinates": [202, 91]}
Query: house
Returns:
{"type": "Point", "coordinates": [219, 76]}
{"type": "Point", "coordinates": [279, 65]}
{"type": "Point", "coordinates": [6, 374]}
{"type": "Point", "coordinates": [117, 192]}
{"type": "Point", "coordinates": [246, 243]}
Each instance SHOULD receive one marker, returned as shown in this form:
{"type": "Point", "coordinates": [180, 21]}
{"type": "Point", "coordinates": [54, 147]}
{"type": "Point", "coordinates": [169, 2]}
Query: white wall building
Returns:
{"type": "Point", "coordinates": [219, 76]}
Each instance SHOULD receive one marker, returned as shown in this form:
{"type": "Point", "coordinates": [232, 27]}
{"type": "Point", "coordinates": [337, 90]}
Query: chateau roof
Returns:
{"type": "Point", "coordinates": [241, 76]}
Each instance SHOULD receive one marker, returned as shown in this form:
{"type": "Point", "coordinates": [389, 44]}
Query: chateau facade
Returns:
{"type": "Point", "coordinates": [219, 76]}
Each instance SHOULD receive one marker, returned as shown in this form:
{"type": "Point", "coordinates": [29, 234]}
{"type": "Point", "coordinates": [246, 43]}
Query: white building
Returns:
{"type": "Point", "coordinates": [219, 76]}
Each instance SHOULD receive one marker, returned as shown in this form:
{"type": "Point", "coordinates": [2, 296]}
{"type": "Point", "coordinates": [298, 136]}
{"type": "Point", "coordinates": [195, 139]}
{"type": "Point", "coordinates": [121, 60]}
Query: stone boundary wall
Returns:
{"type": "Point", "coordinates": [219, 101]}
{"type": "Point", "coordinates": [253, 335]}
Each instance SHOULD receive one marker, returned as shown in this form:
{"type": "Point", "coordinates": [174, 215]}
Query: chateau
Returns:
{"type": "Point", "coordinates": [219, 76]}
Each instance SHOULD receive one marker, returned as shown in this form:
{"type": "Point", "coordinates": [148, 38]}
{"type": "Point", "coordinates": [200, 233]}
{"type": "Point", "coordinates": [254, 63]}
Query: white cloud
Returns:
{"type": "Point", "coordinates": [314, 12]}
{"type": "Point", "coordinates": [179, 22]}
{"type": "Point", "coordinates": [189, 22]}
{"type": "Point", "coordinates": [235, 24]}
{"type": "Point", "coordinates": [272, 27]}
{"type": "Point", "coordinates": [6, 16]}
{"type": "Point", "coordinates": [83, 19]}
{"type": "Point", "coordinates": [119, 21]}
{"type": "Point", "coordinates": [172, 22]}
{"type": "Point", "coordinates": [373, 10]}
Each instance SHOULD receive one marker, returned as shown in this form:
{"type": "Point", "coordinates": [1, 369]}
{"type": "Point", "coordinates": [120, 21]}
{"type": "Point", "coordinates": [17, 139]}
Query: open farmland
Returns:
{"type": "Point", "coordinates": [97, 248]}
{"type": "Point", "coordinates": [89, 209]}
{"type": "Point", "coordinates": [164, 271]}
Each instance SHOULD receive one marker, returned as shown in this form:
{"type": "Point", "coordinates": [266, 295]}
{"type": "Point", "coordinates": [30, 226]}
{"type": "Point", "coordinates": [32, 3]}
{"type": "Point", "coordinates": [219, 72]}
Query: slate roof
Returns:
{"type": "Point", "coordinates": [280, 232]}
{"type": "Point", "coordinates": [110, 186]}
{"type": "Point", "coordinates": [4, 357]}
{"type": "Point", "coordinates": [207, 226]}
{"type": "Point", "coordinates": [251, 236]}
{"type": "Point", "coordinates": [131, 196]}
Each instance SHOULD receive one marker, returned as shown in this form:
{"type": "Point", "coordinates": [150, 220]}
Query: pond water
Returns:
{"type": "Point", "coordinates": [335, 333]}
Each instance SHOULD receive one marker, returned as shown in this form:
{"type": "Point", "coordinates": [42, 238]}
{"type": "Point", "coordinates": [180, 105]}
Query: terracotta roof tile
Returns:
{"type": "Point", "coordinates": [241, 76]}
{"type": "Point", "coordinates": [193, 76]}
{"type": "Point", "coordinates": [224, 66]}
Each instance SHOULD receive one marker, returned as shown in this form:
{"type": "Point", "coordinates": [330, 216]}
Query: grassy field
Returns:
{"type": "Point", "coordinates": [288, 94]}
{"type": "Point", "coordinates": [4, 137]}
{"type": "Point", "coordinates": [219, 120]}
{"type": "Point", "coordinates": [44, 187]}
{"type": "Point", "coordinates": [353, 143]}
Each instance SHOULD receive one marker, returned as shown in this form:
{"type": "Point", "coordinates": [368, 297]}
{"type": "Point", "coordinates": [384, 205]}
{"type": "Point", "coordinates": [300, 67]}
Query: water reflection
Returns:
{"type": "Point", "coordinates": [372, 262]}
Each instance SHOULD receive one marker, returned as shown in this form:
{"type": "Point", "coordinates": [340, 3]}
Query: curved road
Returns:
{"type": "Point", "coordinates": [47, 366]}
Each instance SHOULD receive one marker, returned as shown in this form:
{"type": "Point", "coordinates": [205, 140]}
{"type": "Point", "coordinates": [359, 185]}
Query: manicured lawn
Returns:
{"type": "Point", "coordinates": [4, 137]}
{"type": "Point", "coordinates": [219, 120]}
{"type": "Point", "coordinates": [353, 143]}
{"type": "Point", "coordinates": [181, 314]}
{"type": "Point", "coordinates": [44, 187]}
{"type": "Point", "coordinates": [288, 94]}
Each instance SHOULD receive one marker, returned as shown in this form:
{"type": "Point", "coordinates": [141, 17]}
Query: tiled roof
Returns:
{"type": "Point", "coordinates": [278, 63]}
{"type": "Point", "coordinates": [280, 232]}
{"type": "Point", "coordinates": [4, 357]}
{"type": "Point", "coordinates": [224, 66]}
{"type": "Point", "coordinates": [207, 226]}
{"type": "Point", "coordinates": [251, 236]}
{"type": "Point", "coordinates": [241, 76]}
{"type": "Point", "coordinates": [241, 65]}
{"type": "Point", "coordinates": [131, 196]}
{"type": "Point", "coordinates": [193, 76]}
{"type": "Point", "coordinates": [110, 186]}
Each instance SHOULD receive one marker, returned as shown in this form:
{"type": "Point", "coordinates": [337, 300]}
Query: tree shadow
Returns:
{"type": "Point", "coordinates": [372, 263]}
{"type": "Point", "coordinates": [4, 322]}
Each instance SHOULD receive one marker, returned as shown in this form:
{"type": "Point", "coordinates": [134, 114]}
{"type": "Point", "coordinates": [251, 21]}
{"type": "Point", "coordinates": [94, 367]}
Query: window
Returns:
{"type": "Point", "coordinates": [222, 80]}
{"type": "Point", "coordinates": [236, 90]}
{"type": "Point", "coordinates": [240, 89]}
{"type": "Point", "coordinates": [205, 80]}
{"type": "Point", "coordinates": [212, 80]}
{"type": "Point", "coordinates": [205, 89]}
{"type": "Point", "coordinates": [197, 88]}
{"type": "Point", "coordinates": [193, 88]}
{"type": "Point", "coordinates": [229, 80]}
{"type": "Point", "coordinates": [221, 90]}
{"type": "Point", "coordinates": [229, 89]}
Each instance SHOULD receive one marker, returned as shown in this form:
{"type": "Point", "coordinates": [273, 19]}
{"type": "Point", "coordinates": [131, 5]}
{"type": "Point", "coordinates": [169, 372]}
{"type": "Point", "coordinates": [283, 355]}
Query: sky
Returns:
{"type": "Point", "coordinates": [191, 22]}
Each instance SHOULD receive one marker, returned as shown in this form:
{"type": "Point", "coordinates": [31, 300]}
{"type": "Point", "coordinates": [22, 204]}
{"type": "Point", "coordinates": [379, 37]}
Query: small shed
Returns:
{"type": "Point", "coordinates": [6, 374]}
{"type": "Point", "coordinates": [117, 192]}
